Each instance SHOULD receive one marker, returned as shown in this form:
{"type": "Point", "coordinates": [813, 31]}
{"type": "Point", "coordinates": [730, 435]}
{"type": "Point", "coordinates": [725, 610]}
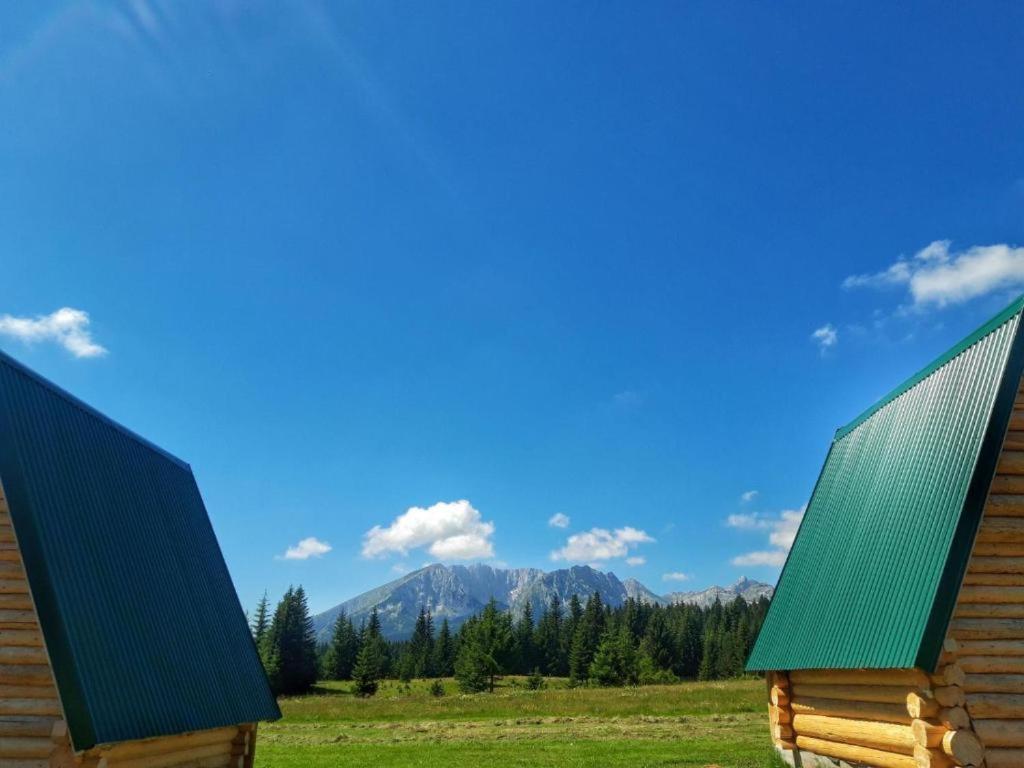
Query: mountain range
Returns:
{"type": "Point", "coordinates": [457, 592]}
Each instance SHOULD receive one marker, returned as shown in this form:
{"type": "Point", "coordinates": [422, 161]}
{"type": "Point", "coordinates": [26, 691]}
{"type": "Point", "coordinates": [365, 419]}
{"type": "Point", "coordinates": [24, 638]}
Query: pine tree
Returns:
{"type": "Point", "coordinates": [289, 646]}
{"type": "Point", "coordinates": [421, 646]}
{"type": "Point", "coordinates": [371, 662]}
{"type": "Point", "coordinates": [615, 661]}
{"type": "Point", "coordinates": [484, 649]}
{"type": "Point", "coordinates": [444, 651]}
{"type": "Point", "coordinates": [657, 643]}
{"type": "Point", "coordinates": [586, 639]}
{"type": "Point", "coordinates": [548, 640]}
{"type": "Point", "coordinates": [261, 623]}
{"type": "Point", "coordinates": [341, 654]}
{"type": "Point", "coordinates": [525, 652]}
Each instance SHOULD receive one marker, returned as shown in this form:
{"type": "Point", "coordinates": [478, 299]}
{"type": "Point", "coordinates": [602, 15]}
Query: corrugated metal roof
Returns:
{"type": "Point", "coordinates": [872, 578]}
{"type": "Point", "coordinates": [140, 618]}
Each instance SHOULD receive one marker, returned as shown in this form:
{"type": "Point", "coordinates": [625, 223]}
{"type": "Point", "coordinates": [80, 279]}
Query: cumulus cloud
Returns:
{"type": "Point", "coordinates": [781, 533]}
{"type": "Point", "coordinates": [600, 544]}
{"type": "Point", "coordinates": [748, 496]}
{"type": "Point", "coordinates": [938, 276]}
{"type": "Point", "coordinates": [307, 548]}
{"type": "Point", "coordinates": [675, 576]}
{"type": "Point", "coordinates": [66, 327]}
{"type": "Point", "coordinates": [826, 337]}
{"type": "Point", "coordinates": [636, 560]}
{"type": "Point", "coordinates": [558, 520]}
{"type": "Point", "coordinates": [449, 530]}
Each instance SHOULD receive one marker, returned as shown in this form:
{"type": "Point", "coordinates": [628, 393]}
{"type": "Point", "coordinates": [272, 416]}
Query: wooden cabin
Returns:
{"type": "Point", "coordinates": [122, 641]}
{"type": "Point", "coordinates": [896, 635]}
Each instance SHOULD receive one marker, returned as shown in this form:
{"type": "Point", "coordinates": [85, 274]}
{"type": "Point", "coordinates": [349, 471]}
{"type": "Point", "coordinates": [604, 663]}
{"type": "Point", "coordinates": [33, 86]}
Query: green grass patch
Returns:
{"type": "Point", "coordinates": [720, 724]}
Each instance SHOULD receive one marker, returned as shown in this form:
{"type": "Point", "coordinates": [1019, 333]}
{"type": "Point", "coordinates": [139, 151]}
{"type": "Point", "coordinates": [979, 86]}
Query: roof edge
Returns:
{"type": "Point", "coordinates": [81, 404]}
{"type": "Point", "coordinates": [957, 560]}
{"type": "Point", "coordinates": [941, 360]}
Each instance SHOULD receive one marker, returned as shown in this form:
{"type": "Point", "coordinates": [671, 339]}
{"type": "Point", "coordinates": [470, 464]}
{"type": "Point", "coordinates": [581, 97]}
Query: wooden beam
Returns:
{"type": "Point", "coordinates": [858, 710]}
{"type": "Point", "coordinates": [855, 754]}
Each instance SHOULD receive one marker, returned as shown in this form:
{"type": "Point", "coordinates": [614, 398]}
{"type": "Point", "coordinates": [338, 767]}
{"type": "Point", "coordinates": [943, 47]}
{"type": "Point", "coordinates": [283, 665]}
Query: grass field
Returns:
{"type": "Point", "coordinates": [692, 724]}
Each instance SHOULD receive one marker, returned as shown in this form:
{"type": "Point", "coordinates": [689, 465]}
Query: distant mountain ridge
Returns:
{"type": "Point", "coordinates": [457, 592]}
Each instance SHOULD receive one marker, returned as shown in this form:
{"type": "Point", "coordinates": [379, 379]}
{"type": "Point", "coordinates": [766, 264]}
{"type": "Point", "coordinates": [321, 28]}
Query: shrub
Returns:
{"type": "Point", "coordinates": [437, 689]}
{"type": "Point", "coordinates": [536, 680]}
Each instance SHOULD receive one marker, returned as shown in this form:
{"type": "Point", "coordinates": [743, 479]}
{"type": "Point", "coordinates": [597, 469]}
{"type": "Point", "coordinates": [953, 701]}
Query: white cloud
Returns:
{"type": "Point", "coordinates": [826, 337]}
{"type": "Point", "coordinates": [675, 576]}
{"type": "Point", "coordinates": [67, 327]}
{"type": "Point", "coordinates": [781, 533]}
{"type": "Point", "coordinates": [448, 530]}
{"type": "Point", "coordinates": [558, 520]}
{"type": "Point", "coordinates": [307, 548]}
{"type": "Point", "coordinates": [400, 568]}
{"type": "Point", "coordinates": [636, 560]}
{"type": "Point", "coordinates": [748, 496]}
{"type": "Point", "coordinates": [938, 276]}
{"type": "Point", "coordinates": [599, 544]}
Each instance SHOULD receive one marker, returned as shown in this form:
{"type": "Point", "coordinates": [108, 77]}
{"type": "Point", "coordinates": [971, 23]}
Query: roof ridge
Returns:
{"type": "Point", "coordinates": [971, 339]}
{"type": "Point", "coordinates": [90, 410]}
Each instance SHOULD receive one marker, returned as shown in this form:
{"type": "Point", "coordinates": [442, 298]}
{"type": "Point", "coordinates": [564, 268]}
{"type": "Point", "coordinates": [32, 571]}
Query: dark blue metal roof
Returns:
{"type": "Point", "coordinates": [140, 618]}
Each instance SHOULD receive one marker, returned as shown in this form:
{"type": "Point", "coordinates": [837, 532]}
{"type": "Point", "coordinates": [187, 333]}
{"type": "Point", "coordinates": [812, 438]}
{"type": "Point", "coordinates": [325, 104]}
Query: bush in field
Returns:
{"type": "Point", "coordinates": [535, 681]}
{"type": "Point", "coordinates": [437, 689]}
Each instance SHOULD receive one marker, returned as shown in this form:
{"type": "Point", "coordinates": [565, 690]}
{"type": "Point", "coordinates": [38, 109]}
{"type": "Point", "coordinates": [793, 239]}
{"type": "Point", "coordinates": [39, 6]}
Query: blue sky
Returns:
{"type": "Point", "coordinates": [411, 281]}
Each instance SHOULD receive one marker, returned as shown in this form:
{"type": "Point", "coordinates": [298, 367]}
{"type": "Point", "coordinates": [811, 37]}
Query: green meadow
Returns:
{"type": "Point", "coordinates": [715, 724]}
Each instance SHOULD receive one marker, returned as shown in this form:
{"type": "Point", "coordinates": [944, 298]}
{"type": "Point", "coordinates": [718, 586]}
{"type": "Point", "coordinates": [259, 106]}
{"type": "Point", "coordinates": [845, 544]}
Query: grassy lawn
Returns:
{"type": "Point", "coordinates": [691, 724]}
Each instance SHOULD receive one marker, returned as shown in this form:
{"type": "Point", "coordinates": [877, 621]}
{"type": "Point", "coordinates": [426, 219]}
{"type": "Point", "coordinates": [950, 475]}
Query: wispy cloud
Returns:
{"type": "Point", "coordinates": [599, 544]}
{"type": "Point", "coordinates": [937, 276]}
{"type": "Point", "coordinates": [676, 576]}
{"type": "Point", "coordinates": [635, 561]}
{"type": "Point", "coordinates": [558, 520]}
{"type": "Point", "coordinates": [452, 530]}
{"type": "Point", "coordinates": [781, 530]}
{"type": "Point", "coordinates": [307, 548]}
{"type": "Point", "coordinates": [66, 327]}
{"type": "Point", "coordinates": [748, 496]}
{"type": "Point", "coordinates": [826, 337]}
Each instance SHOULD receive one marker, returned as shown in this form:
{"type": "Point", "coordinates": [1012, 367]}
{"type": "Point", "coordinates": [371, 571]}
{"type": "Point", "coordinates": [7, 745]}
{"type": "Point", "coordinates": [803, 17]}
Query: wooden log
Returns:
{"type": "Point", "coordinates": [991, 648]}
{"type": "Point", "coordinates": [993, 578]}
{"type": "Point", "coordinates": [921, 705]}
{"type": "Point", "coordinates": [857, 710]}
{"type": "Point", "coordinates": [1001, 529]}
{"type": "Point", "coordinates": [994, 684]}
{"type": "Point", "coordinates": [13, 587]}
{"type": "Point", "coordinates": [1011, 463]}
{"type": "Point", "coordinates": [987, 629]}
{"type": "Point", "coordinates": [779, 680]}
{"type": "Point", "coordinates": [912, 678]}
{"type": "Point", "coordinates": [782, 732]}
{"type": "Point", "coordinates": [214, 753]}
{"type": "Point", "coordinates": [37, 726]}
{"type": "Point", "coordinates": [888, 737]}
{"type": "Point", "coordinates": [989, 611]}
{"type": "Point", "coordinates": [954, 718]}
{"type": "Point", "coordinates": [166, 744]}
{"type": "Point", "coordinates": [1009, 484]}
{"type": "Point", "coordinates": [972, 594]}
{"type": "Point", "coordinates": [995, 706]}
{"type": "Point", "coordinates": [963, 747]}
{"type": "Point", "coordinates": [951, 674]}
{"type": "Point", "coordinates": [29, 707]}
{"type": "Point", "coordinates": [21, 637]}
{"type": "Point", "coordinates": [993, 665]}
{"type": "Point", "coordinates": [22, 655]}
{"type": "Point", "coordinates": [1005, 504]}
{"type": "Point", "coordinates": [25, 674]}
{"type": "Point", "coordinates": [24, 747]}
{"type": "Point", "coordinates": [1004, 758]}
{"type": "Point", "coordinates": [1012, 565]}
{"type": "Point", "coordinates": [949, 695]}
{"type": "Point", "coordinates": [1001, 549]}
{"type": "Point", "coordinates": [882, 694]}
{"type": "Point", "coordinates": [780, 715]}
{"type": "Point", "coordinates": [927, 734]}
{"type": "Point", "coordinates": [779, 697]}
{"type": "Point", "coordinates": [16, 602]}
{"type": "Point", "coordinates": [1000, 733]}
{"type": "Point", "coordinates": [931, 758]}
{"type": "Point", "coordinates": [855, 754]}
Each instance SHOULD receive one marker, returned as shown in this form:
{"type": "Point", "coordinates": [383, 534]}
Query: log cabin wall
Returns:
{"type": "Point", "coordinates": [33, 733]}
{"type": "Point", "coordinates": [986, 637]}
{"type": "Point", "coordinates": [32, 728]}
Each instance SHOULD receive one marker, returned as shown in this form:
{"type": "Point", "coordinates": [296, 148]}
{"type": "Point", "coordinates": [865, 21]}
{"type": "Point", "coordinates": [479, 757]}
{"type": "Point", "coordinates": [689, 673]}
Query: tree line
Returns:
{"type": "Point", "coordinates": [590, 643]}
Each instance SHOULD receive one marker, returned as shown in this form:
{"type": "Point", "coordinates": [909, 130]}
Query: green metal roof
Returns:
{"type": "Point", "coordinates": [138, 612]}
{"type": "Point", "coordinates": [873, 575]}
